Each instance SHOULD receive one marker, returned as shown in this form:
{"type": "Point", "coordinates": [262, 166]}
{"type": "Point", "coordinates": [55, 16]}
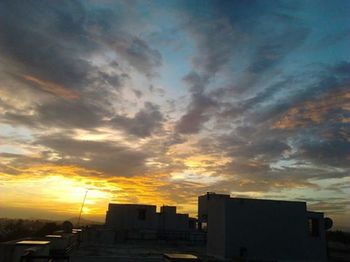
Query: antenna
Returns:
{"type": "Point", "coordinates": [81, 209]}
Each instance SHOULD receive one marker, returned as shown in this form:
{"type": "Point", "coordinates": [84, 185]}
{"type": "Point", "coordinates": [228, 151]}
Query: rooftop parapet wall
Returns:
{"type": "Point", "coordinates": [127, 217]}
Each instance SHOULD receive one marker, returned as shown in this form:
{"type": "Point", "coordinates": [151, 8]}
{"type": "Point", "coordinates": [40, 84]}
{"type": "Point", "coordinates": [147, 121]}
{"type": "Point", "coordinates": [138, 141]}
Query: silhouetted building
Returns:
{"type": "Point", "coordinates": [142, 221]}
{"type": "Point", "coordinates": [131, 216]}
{"type": "Point", "coordinates": [261, 229]}
{"type": "Point", "coordinates": [12, 251]}
{"type": "Point", "coordinates": [54, 247]}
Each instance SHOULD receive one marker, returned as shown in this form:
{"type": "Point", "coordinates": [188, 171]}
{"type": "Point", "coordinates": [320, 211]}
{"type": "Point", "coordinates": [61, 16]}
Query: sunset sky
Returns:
{"type": "Point", "coordinates": [158, 102]}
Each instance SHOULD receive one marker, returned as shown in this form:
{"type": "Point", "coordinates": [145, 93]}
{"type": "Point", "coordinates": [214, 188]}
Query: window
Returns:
{"type": "Point", "coordinates": [314, 227]}
{"type": "Point", "coordinates": [204, 226]}
{"type": "Point", "coordinates": [142, 214]}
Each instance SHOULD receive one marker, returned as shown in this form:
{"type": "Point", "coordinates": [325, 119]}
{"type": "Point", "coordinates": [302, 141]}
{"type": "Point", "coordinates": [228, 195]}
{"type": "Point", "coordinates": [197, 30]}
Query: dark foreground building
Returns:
{"type": "Point", "coordinates": [142, 221]}
{"type": "Point", "coordinates": [234, 229]}
{"type": "Point", "coordinates": [261, 229]}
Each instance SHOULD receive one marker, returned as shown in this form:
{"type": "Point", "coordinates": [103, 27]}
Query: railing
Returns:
{"type": "Point", "coordinates": [31, 258]}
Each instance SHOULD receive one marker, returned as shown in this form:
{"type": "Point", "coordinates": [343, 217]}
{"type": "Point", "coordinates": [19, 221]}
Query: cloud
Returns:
{"type": "Point", "coordinates": [330, 207]}
{"type": "Point", "coordinates": [333, 107]}
{"type": "Point", "coordinates": [145, 122]}
{"type": "Point", "coordinates": [59, 113]}
{"type": "Point", "coordinates": [221, 37]}
{"type": "Point", "coordinates": [106, 157]}
{"type": "Point", "coordinates": [334, 152]}
{"type": "Point", "coordinates": [137, 53]}
{"type": "Point", "coordinates": [214, 41]}
{"type": "Point", "coordinates": [242, 101]}
{"type": "Point", "coordinates": [57, 43]}
{"type": "Point", "coordinates": [276, 46]}
{"type": "Point", "coordinates": [52, 87]}
{"type": "Point", "coordinates": [198, 113]}
{"type": "Point", "coordinates": [32, 35]}
{"type": "Point", "coordinates": [76, 53]}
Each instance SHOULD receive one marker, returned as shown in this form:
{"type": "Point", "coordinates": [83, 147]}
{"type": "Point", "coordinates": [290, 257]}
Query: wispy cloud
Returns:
{"type": "Point", "coordinates": [52, 87]}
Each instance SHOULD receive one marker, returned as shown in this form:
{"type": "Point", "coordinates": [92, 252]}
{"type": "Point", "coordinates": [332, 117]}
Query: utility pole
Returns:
{"type": "Point", "coordinates": [81, 209]}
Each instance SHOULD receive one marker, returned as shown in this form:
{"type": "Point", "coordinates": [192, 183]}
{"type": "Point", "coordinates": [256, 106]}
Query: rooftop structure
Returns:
{"type": "Point", "coordinates": [51, 247]}
{"type": "Point", "coordinates": [134, 216]}
{"type": "Point", "coordinates": [227, 229]}
{"type": "Point", "coordinates": [12, 251]}
{"type": "Point", "coordinates": [130, 219]}
{"type": "Point", "coordinates": [261, 229]}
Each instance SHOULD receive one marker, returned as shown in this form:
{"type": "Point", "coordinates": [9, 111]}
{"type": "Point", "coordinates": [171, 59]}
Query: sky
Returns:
{"type": "Point", "coordinates": [158, 102]}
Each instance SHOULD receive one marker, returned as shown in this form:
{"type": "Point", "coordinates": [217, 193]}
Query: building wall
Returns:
{"type": "Point", "coordinates": [317, 245]}
{"type": "Point", "coordinates": [265, 229]}
{"type": "Point", "coordinates": [11, 251]}
{"type": "Point", "coordinates": [174, 222]}
{"type": "Point", "coordinates": [130, 217]}
{"type": "Point", "coordinates": [203, 204]}
{"type": "Point", "coordinates": [168, 219]}
{"type": "Point", "coordinates": [211, 213]}
{"type": "Point", "coordinates": [260, 229]}
{"type": "Point", "coordinates": [126, 217]}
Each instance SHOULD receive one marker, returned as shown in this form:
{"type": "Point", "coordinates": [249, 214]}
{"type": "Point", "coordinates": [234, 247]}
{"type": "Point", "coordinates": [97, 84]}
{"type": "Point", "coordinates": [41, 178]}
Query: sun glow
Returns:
{"type": "Point", "coordinates": [60, 190]}
{"type": "Point", "coordinates": [56, 193]}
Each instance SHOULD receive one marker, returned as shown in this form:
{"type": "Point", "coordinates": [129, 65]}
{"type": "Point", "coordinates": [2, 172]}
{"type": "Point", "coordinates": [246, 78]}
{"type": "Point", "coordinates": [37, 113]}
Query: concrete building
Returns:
{"type": "Point", "coordinates": [55, 246]}
{"type": "Point", "coordinates": [261, 229]}
{"type": "Point", "coordinates": [168, 219]}
{"type": "Point", "coordinates": [12, 251]}
{"type": "Point", "coordinates": [131, 216]}
{"type": "Point", "coordinates": [143, 221]}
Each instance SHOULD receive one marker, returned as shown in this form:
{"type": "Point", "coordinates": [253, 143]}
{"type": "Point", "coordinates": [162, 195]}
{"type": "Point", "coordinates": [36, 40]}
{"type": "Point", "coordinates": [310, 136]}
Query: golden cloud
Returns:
{"type": "Point", "coordinates": [61, 189]}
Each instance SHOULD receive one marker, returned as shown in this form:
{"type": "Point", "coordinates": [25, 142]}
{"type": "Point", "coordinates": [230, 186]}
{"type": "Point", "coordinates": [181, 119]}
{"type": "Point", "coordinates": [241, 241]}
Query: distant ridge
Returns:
{"type": "Point", "coordinates": [84, 222]}
{"type": "Point", "coordinates": [74, 220]}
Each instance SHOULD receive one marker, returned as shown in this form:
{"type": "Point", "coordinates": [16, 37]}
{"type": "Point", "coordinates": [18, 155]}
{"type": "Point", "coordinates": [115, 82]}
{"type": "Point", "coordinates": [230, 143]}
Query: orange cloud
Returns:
{"type": "Point", "coordinates": [315, 112]}
{"type": "Point", "coordinates": [60, 189]}
{"type": "Point", "coordinates": [57, 192]}
{"type": "Point", "coordinates": [52, 88]}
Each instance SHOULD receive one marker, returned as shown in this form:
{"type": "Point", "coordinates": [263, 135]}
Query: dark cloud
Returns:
{"type": "Point", "coordinates": [221, 37]}
{"type": "Point", "coordinates": [35, 36]}
{"type": "Point", "coordinates": [322, 91]}
{"type": "Point", "coordinates": [156, 90]}
{"type": "Point", "coordinates": [50, 48]}
{"type": "Point", "coordinates": [267, 157]}
{"type": "Point", "coordinates": [143, 124]}
{"type": "Point", "coordinates": [137, 53]}
{"type": "Point", "coordinates": [198, 113]}
{"type": "Point", "coordinates": [59, 113]}
{"type": "Point", "coordinates": [195, 82]}
{"type": "Point", "coordinates": [107, 157]}
{"type": "Point", "coordinates": [333, 152]}
{"type": "Point", "coordinates": [214, 37]}
{"type": "Point", "coordinates": [15, 164]}
{"type": "Point", "coordinates": [55, 42]}
{"type": "Point", "coordinates": [277, 45]}
{"type": "Point", "coordinates": [341, 69]}
{"type": "Point", "coordinates": [137, 93]}
{"type": "Point", "coordinates": [214, 45]}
